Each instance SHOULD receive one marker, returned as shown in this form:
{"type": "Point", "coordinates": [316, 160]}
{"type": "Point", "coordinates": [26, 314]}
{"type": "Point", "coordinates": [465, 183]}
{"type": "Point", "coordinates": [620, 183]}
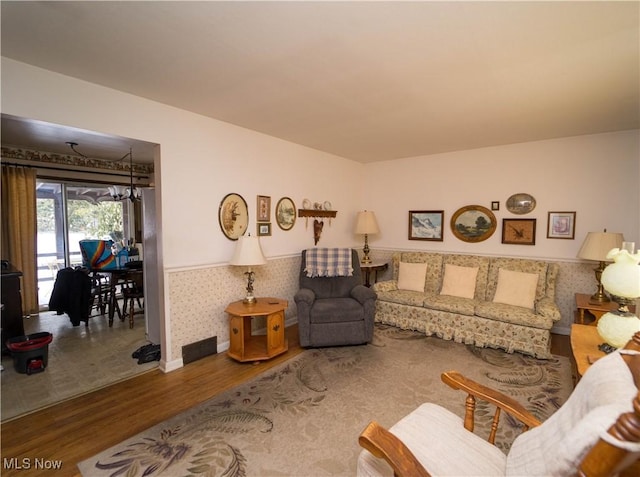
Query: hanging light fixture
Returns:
{"type": "Point", "coordinates": [117, 192]}
{"type": "Point", "coordinates": [132, 193]}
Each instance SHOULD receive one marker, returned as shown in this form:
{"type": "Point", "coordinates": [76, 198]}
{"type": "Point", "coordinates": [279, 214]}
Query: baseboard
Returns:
{"type": "Point", "coordinates": [168, 366]}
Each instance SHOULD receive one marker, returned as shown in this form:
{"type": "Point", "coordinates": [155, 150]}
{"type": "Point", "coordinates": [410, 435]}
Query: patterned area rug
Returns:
{"type": "Point", "coordinates": [304, 417]}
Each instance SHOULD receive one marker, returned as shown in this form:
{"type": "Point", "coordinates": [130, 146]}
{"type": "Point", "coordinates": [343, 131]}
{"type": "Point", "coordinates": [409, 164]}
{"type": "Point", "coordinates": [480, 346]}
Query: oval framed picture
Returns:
{"type": "Point", "coordinates": [473, 223]}
{"type": "Point", "coordinates": [521, 203]}
{"type": "Point", "coordinates": [233, 216]}
{"type": "Point", "coordinates": [286, 213]}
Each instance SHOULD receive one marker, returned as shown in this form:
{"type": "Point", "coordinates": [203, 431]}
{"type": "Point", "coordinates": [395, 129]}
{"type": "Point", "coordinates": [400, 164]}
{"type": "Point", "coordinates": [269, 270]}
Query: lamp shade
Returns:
{"type": "Point", "coordinates": [597, 245]}
{"type": "Point", "coordinates": [366, 223]}
{"type": "Point", "coordinates": [248, 252]}
{"type": "Point", "coordinates": [622, 278]}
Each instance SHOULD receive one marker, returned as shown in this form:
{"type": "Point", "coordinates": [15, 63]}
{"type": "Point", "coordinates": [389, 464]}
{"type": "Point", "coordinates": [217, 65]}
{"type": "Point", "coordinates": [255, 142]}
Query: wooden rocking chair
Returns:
{"type": "Point", "coordinates": [595, 433]}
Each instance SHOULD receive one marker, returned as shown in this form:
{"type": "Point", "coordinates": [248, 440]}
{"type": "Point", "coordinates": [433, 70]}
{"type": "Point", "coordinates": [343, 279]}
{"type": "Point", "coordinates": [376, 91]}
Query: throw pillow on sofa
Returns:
{"type": "Point", "coordinates": [459, 281]}
{"type": "Point", "coordinates": [411, 276]}
{"type": "Point", "coordinates": [516, 288]}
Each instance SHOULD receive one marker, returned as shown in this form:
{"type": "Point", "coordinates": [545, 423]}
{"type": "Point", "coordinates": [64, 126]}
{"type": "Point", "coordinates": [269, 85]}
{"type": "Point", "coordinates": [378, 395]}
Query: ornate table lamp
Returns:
{"type": "Point", "coordinates": [595, 247]}
{"type": "Point", "coordinates": [366, 224]}
{"type": "Point", "coordinates": [622, 280]}
{"type": "Point", "coordinates": [248, 253]}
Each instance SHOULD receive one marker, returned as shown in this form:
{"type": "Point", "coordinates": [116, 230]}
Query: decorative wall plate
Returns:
{"type": "Point", "coordinates": [233, 216]}
{"type": "Point", "coordinates": [521, 203]}
{"type": "Point", "coordinates": [285, 213]}
{"type": "Point", "coordinates": [473, 223]}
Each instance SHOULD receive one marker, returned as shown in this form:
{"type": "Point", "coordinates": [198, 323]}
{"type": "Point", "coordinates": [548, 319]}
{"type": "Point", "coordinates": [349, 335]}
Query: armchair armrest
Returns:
{"type": "Point", "coordinates": [305, 295]}
{"type": "Point", "coordinates": [385, 445]}
{"type": "Point", "coordinates": [548, 307]}
{"type": "Point", "coordinates": [502, 402]}
{"type": "Point", "coordinates": [362, 294]}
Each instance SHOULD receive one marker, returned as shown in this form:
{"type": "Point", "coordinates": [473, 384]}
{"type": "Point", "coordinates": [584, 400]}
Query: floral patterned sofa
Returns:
{"type": "Point", "coordinates": [497, 302]}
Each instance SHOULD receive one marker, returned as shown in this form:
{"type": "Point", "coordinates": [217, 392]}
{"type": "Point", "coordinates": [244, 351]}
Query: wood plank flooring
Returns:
{"type": "Point", "coordinates": [72, 431]}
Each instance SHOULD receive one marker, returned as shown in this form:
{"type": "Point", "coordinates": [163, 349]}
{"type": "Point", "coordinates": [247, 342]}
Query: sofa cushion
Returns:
{"type": "Point", "coordinates": [518, 265]}
{"type": "Point", "coordinates": [403, 297]}
{"type": "Point", "coordinates": [516, 288]}
{"type": "Point", "coordinates": [452, 304]}
{"type": "Point", "coordinates": [411, 276]}
{"type": "Point", "coordinates": [459, 281]}
{"type": "Point", "coordinates": [474, 261]}
{"type": "Point", "coordinates": [434, 267]}
{"type": "Point", "coordinates": [512, 314]}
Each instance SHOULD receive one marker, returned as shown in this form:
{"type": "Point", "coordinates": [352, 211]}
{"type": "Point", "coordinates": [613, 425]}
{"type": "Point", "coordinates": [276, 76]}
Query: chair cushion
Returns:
{"type": "Point", "coordinates": [411, 276]}
{"type": "Point", "coordinates": [440, 442]}
{"type": "Point", "coordinates": [332, 310]}
{"type": "Point", "coordinates": [558, 445]}
{"type": "Point", "coordinates": [516, 288]}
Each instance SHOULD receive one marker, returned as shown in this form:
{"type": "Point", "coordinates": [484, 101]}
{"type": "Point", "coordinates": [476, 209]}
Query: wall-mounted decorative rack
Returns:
{"type": "Point", "coordinates": [317, 213]}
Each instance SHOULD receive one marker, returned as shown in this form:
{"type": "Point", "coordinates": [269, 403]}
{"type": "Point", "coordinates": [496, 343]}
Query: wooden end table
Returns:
{"type": "Point", "coordinates": [246, 347]}
{"type": "Point", "coordinates": [595, 309]}
{"type": "Point", "coordinates": [374, 267]}
{"type": "Point", "coordinates": [584, 348]}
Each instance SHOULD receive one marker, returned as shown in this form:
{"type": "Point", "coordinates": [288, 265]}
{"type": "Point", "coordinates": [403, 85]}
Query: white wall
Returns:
{"type": "Point", "coordinates": [201, 160]}
{"type": "Point", "coordinates": [596, 176]}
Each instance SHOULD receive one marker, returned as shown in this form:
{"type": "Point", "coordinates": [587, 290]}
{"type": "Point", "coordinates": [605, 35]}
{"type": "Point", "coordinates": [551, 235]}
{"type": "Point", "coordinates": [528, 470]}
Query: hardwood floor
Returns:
{"type": "Point", "coordinates": [72, 431]}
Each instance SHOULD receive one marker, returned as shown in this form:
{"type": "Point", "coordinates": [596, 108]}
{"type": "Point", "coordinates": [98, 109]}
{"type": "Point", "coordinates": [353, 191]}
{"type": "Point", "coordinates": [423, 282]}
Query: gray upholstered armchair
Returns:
{"type": "Point", "coordinates": [334, 311]}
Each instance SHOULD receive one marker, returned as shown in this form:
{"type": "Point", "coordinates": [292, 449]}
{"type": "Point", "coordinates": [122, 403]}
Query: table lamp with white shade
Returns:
{"type": "Point", "coordinates": [366, 224]}
{"type": "Point", "coordinates": [622, 280]}
{"type": "Point", "coordinates": [248, 253]}
{"type": "Point", "coordinates": [595, 247]}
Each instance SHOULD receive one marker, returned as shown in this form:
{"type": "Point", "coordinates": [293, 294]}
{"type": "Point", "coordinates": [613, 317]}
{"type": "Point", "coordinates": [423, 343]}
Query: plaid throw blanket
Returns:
{"type": "Point", "coordinates": [328, 262]}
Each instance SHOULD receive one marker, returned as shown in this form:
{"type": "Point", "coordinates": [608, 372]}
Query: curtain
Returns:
{"type": "Point", "coordinates": [19, 229]}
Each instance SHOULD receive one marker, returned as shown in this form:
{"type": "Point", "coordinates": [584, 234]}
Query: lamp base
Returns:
{"type": "Point", "coordinates": [599, 297]}
{"type": "Point", "coordinates": [249, 300]}
{"type": "Point", "coordinates": [365, 251]}
{"type": "Point", "coordinates": [616, 329]}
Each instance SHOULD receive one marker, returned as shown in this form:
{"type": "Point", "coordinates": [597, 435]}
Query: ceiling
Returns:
{"type": "Point", "coordinates": [367, 81]}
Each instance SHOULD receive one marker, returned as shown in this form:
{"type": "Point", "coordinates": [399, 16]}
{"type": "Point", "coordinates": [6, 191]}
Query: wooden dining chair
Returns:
{"type": "Point", "coordinates": [132, 291]}
{"type": "Point", "coordinates": [596, 432]}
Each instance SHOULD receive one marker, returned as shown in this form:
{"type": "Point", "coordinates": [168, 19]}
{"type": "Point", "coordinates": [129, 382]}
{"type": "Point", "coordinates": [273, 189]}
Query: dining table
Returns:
{"type": "Point", "coordinates": [117, 276]}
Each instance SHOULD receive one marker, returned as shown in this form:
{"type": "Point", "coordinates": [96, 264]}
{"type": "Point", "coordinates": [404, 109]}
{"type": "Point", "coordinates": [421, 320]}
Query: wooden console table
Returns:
{"type": "Point", "coordinates": [584, 348]}
{"type": "Point", "coordinates": [246, 347]}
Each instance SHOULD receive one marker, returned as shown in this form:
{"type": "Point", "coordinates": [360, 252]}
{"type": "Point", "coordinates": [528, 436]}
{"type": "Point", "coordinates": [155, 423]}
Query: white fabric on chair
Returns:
{"type": "Point", "coordinates": [438, 439]}
{"type": "Point", "coordinates": [559, 444]}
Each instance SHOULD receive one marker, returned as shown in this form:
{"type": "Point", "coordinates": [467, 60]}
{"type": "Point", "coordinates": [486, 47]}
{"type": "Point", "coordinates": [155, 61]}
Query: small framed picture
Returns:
{"type": "Point", "coordinates": [264, 208]}
{"type": "Point", "coordinates": [426, 225]}
{"type": "Point", "coordinates": [519, 231]}
{"type": "Point", "coordinates": [495, 205]}
{"type": "Point", "coordinates": [264, 229]}
{"type": "Point", "coordinates": [561, 225]}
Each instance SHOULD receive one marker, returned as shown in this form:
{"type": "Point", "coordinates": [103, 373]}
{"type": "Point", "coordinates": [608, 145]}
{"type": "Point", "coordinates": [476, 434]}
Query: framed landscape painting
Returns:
{"type": "Point", "coordinates": [473, 223]}
{"type": "Point", "coordinates": [426, 225]}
